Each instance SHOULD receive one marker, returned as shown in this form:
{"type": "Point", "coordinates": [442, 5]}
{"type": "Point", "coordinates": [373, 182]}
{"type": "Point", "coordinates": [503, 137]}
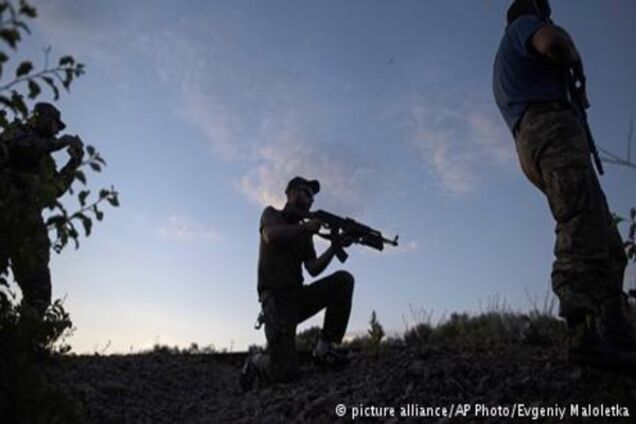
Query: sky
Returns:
{"type": "Point", "coordinates": [204, 110]}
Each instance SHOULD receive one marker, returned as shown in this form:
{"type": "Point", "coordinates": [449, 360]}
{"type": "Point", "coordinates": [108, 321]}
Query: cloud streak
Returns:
{"type": "Point", "coordinates": [185, 230]}
{"type": "Point", "coordinates": [348, 178]}
{"type": "Point", "coordinates": [459, 144]}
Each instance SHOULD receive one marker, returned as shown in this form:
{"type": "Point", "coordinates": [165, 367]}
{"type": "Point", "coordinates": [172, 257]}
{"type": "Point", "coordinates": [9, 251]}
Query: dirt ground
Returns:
{"type": "Point", "coordinates": [401, 384]}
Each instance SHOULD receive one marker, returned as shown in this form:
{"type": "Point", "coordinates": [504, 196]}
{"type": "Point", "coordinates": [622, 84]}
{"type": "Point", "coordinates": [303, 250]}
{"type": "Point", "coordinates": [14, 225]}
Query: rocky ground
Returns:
{"type": "Point", "coordinates": [203, 388]}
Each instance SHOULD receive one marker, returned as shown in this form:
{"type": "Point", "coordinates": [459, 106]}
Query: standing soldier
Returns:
{"type": "Point", "coordinates": [534, 69]}
{"type": "Point", "coordinates": [285, 246]}
{"type": "Point", "coordinates": [29, 182]}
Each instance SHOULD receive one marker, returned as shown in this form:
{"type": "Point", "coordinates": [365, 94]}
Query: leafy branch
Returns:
{"type": "Point", "coordinates": [14, 108]}
{"type": "Point", "coordinates": [63, 75]}
{"type": "Point", "coordinates": [63, 222]}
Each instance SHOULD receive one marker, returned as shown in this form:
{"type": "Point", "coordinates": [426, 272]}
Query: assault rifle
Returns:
{"type": "Point", "coordinates": [576, 83]}
{"type": "Point", "coordinates": [348, 228]}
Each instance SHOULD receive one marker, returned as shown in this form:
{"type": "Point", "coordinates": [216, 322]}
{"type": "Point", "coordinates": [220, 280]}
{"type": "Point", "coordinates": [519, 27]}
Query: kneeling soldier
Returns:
{"type": "Point", "coordinates": [285, 245]}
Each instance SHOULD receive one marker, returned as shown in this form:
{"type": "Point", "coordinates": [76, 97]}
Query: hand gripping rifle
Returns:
{"type": "Point", "coordinates": [348, 228]}
{"type": "Point", "coordinates": [578, 96]}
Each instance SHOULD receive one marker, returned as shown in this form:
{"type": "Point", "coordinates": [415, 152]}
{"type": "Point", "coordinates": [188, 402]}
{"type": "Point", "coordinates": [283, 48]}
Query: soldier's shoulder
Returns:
{"type": "Point", "coordinates": [16, 130]}
{"type": "Point", "coordinates": [270, 214]}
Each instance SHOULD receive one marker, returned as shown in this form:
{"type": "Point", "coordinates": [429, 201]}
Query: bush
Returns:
{"type": "Point", "coordinates": [27, 393]}
{"type": "Point", "coordinates": [307, 339]}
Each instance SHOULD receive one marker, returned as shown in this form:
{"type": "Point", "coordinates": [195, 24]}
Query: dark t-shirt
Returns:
{"type": "Point", "coordinates": [280, 263]}
{"type": "Point", "coordinates": [521, 75]}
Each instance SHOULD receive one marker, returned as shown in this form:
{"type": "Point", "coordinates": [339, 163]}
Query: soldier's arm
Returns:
{"type": "Point", "coordinates": [556, 44]}
{"type": "Point", "coordinates": [316, 265]}
{"type": "Point", "coordinates": [65, 177]}
{"type": "Point", "coordinates": [273, 233]}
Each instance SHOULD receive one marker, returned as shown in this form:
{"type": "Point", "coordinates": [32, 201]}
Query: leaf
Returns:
{"type": "Point", "coordinates": [95, 167]}
{"type": "Point", "coordinates": [18, 102]}
{"type": "Point", "coordinates": [113, 200]}
{"type": "Point", "coordinates": [79, 69]}
{"type": "Point", "coordinates": [82, 196]}
{"type": "Point", "coordinates": [91, 150]}
{"type": "Point", "coordinates": [86, 223]}
{"type": "Point", "coordinates": [67, 79]}
{"type": "Point", "coordinates": [34, 89]}
{"type": "Point", "coordinates": [99, 159]}
{"type": "Point", "coordinates": [632, 231]}
{"type": "Point", "coordinates": [80, 176]}
{"type": "Point", "coordinates": [633, 213]}
{"type": "Point", "coordinates": [66, 61]}
{"type": "Point", "coordinates": [28, 10]}
{"type": "Point", "coordinates": [5, 101]}
{"type": "Point", "coordinates": [22, 25]}
{"type": "Point", "coordinates": [103, 193]}
{"type": "Point", "coordinates": [98, 214]}
{"type": "Point", "coordinates": [10, 36]}
{"type": "Point", "coordinates": [3, 57]}
{"type": "Point", "coordinates": [51, 83]}
{"type": "Point", "coordinates": [23, 69]}
{"type": "Point", "coordinates": [56, 221]}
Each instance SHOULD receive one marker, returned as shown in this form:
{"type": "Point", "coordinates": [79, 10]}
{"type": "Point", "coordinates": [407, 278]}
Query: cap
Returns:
{"type": "Point", "coordinates": [296, 181]}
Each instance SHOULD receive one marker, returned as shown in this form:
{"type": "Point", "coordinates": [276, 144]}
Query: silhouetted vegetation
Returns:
{"type": "Point", "coordinates": [28, 340]}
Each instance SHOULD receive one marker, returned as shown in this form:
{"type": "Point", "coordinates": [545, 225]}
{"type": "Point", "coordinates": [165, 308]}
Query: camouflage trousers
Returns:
{"type": "Point", "coordinates": [25, 247]}
{"type": "Point", "coordinates": [590, 259]}
{"type": "Point", "coordinates": [285, 308]}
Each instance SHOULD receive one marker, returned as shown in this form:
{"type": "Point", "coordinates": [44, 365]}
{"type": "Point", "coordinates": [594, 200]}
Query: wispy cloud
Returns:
{"type": "Point", "coordinates": [460, 143]}
{"type": "Point", "coordinates": [349, 178]}
{"type": "Point", "coordinates": [186, 230]}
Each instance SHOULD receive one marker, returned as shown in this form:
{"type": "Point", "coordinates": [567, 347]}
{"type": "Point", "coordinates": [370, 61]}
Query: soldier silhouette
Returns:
{"type": "Point", "coordinates": [30, 182]}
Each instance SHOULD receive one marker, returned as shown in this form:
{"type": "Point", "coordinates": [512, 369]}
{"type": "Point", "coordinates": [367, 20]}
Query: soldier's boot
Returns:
{"type": "Point", "coordinates": [326, 354]}
{"type": "Point", "coordinates": [254, 368]}
{"type": "Point", "coordinates": [615, 326]}
{"type": "Point", "coordinates": [587, 348]}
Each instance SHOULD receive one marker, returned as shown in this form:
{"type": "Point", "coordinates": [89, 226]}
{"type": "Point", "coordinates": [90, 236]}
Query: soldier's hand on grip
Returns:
{"type": "Point", "coordinates": [312, 226]}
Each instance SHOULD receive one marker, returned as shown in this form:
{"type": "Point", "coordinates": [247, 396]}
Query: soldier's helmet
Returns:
{"type": "Point", "coordinates": [47, 109]}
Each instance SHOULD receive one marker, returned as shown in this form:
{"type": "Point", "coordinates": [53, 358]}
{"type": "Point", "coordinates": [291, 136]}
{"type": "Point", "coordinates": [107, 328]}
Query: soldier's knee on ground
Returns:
{"type": "Point", "coordinates": [283, 359]}
{"type": "Point", "coordinates": [283, 362]}
{"type": "Point", "coordinates": [285, 371]}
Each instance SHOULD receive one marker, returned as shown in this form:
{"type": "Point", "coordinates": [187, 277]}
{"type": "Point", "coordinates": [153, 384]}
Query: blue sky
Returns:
{"type": "Point", "coordinates": [204, 110]}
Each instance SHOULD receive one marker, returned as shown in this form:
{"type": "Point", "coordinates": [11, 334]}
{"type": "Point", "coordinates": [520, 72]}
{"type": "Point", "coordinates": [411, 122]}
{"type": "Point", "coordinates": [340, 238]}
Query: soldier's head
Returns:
{"type": "Point", "coordinates": [300, 192]}
{"type": "Point", "coordinates": [46, 119]}
{"type": "Point", "coordinates": [518, 8]}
